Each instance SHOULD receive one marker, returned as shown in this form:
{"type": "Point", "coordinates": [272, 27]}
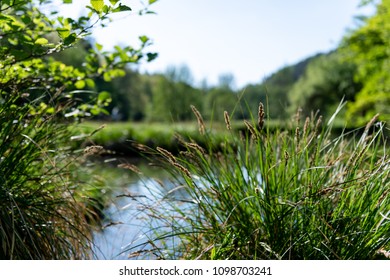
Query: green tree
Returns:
{"type": "Point", "coordinates": [369, 48]}
{"type": "Point", "coordinates": [29, 38]}
{"type": "Point", "coordinates": [171, 100]}
{"type": "Point", "coordinates": [327, 80]}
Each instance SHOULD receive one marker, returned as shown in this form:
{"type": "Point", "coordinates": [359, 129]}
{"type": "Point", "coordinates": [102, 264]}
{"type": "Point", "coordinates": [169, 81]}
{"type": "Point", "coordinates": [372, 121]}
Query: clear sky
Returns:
{"type": "Point", "coordinates": [248, 38]}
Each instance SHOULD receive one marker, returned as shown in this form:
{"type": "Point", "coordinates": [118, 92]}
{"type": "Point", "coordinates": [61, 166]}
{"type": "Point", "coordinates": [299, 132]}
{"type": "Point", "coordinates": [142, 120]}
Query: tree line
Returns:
{"type": "Point", "coordinates": [357, 71]}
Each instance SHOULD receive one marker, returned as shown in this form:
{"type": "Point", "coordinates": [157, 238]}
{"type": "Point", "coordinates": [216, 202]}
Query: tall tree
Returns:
{"type": "Point", "coordinates": [369, 48]}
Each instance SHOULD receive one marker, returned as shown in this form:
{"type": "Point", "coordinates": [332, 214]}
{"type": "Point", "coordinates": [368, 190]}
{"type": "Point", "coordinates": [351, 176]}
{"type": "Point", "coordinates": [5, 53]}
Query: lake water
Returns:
{"type": "Point", "coordinates": [128, 224]}
{"type": "Point", "coordinates": [124, 224]}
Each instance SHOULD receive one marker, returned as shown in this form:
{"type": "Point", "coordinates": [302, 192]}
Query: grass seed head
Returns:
{"type": "Point", "coordinates": [200, 119]}
{"type": "Point", "coordinates": [93, 150]}
{"type": "Point", "coordinates": [251, 129]}
{"type": "Point", "coordinates": [227, 120]}
{"type": "Point", "coordinates": [168, 155]}
{"type": "Point", "coordinates": [131, 167]}
{"type": "Point", "coordinates": [261, 115]}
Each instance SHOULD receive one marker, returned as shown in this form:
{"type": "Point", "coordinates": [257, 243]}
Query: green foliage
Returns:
{"type": "Point", "coordinates": [296, 193]}
{"type": "Point", "coordinates": [327, 80]}
{"type": "Point", "coordinates": [171, 100]}
{"type": "Point", "coordinates": [44, 208]}
{"type": "Point", "coordinates": [41, 218]}
{"type": "Point", "coordinates": [31, 42]}
{"type": "Point", "coordinates": [368, 48]}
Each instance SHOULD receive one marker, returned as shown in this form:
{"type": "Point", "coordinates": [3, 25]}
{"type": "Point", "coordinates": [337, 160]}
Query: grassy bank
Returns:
{"type": "Point", "coordinates": [296, 193]}
{"type": "Point", "coordinates": [119, 136]}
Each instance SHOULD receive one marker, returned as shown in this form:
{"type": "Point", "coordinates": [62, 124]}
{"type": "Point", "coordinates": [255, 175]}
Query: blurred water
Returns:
{"type": "Point", "coordinates": [129, 224]}
{"type": "Point", "coordinates": [126, 224]}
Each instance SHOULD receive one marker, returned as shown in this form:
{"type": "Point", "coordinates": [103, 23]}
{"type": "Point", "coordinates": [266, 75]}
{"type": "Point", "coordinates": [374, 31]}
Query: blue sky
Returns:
{"type": "Point", "coordinates": [248, 38]}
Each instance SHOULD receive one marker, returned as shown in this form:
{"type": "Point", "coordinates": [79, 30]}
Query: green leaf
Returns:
{"type": "Point", "coordinates": [151, 56]}
{"type": "Point", "coordinates": [63, 32]}
{"type": "Point", "coordinates": [41, 41]}
{"type": "Point", "coordinates": [107, 77]}
{"type": "Point", "coordinates": [106, 9]}
{"type": "Point", "coordinates": [70, 39]}
{"type": "Point", "coordinates": [90, 83]}
{"type": "Point", "coordinates": [113, 2]}
{"type": "Point", "coordinates": [144, 39]}
{"type": "Point", "coordinates": [121, 8]}
{"type": "Point", "coordinates": [99, 47]}
{"type": "Point", "coordinates": [67, 1]}
{"type": "Point", "coordinates": [80, 84]}
{"type": "Point", "coordinates": [104, 96]}
{"type": "Point", "coordinates": [26, 19]}
{"type": "Point", "coordinates": [152, 1]}
{"type": "Point", "coordinates": [97, 5]}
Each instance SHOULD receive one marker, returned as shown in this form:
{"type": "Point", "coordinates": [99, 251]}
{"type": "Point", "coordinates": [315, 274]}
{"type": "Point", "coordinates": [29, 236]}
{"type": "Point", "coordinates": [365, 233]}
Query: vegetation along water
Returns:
{"type": "Point", "coordinates": [295, 167]}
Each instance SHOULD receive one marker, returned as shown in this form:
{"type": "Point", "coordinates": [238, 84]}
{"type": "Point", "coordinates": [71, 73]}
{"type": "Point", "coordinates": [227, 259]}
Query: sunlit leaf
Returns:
{"type": "Point", "coordinates": [90, 83]}
{"type": "Point", "coordinates": [144, 39]}
{"type": "Point", "coordinates": [97, 5]}
{"type": "Point", "coordinates": [67, 1]}
{"type": "Point", "coordinates": [99, 47]}
{"type": "Point", "coordinates": [113, 2]}
{"type": "Point", "coordinates": [63, 32]}
{"type": "Point", "coordinates": [104, 96]}
{"type": "Point", "coordinates": [152, 1]}
{"type": "Point", "coordinates": [107, 77]}
{"type": "Point", "coordinates": [41, 41]}
{"type": "Point", "coordinates": [80, 84]}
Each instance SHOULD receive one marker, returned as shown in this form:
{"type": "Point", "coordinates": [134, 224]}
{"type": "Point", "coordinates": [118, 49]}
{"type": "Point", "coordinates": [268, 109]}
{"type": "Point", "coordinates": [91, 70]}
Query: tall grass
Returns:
{"type": "Point", "coordinates": [42, 213]}
{"type": "Point", "coordinates": [296, 193]}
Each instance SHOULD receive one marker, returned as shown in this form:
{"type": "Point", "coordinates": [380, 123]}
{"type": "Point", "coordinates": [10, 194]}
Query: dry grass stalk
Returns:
{"type": "Point", "coordinates": [251, 129]}
{"type": "Point", "coordinates": [196, 147]}
{"type": "Point", "coordinates": [306, 126]}
{"type": "Point", "coordinates": [198, 116]}
{"type": "Point", "coordinates": [371, 122]}
{"type": "Point", "coordinates": [261, 115]}
{"type": "Point", "coordinates": [286, 157]}
{"type": "Point", "coordinates": [97, 130]}
{"type": "Point", "coordinates": [93, 150]}
{"type": "Point", "coordinates": [297, 135]}
{"type": "Point", "coordinates": [182, 168]}
{"type": "Point", "coordinates": [131, 167]}
{"type": "Point", "coordinates": [317, 126]}
{"type": "Point", "coordinates": [167, 154]}
{"type": "Point", "coordinates": [298, 116]}
{"type": "Point", "coordinates": [227, 120]}
{"type": "Point", "coordinates": [141, 147]}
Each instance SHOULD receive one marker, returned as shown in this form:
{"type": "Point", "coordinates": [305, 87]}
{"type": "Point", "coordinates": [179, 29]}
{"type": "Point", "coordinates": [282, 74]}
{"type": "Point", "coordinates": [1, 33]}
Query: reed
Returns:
{"type": "Point", "coordinates": [299, 193]}
{"type": "Point", "coordinates": [42, 213]}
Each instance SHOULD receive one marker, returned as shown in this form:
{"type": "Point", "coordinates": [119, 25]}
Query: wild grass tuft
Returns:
{"type": "Point", "coordinates": [295, 193]}
{"type": "Point", "coordinates": [42, 214]}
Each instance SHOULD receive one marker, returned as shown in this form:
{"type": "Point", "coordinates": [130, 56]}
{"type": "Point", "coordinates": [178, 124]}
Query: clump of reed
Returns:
{"type": "Point", "coordinates": [296, 193]}
{"type": "Point", "coordinates": [42, 211]}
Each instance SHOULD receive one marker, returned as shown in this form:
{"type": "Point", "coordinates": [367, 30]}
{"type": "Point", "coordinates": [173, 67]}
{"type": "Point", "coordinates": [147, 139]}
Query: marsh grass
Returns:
{"type": "Point", "coordinates": [294, 193]}
{"type": "Point", "coordinates": [42, 207]}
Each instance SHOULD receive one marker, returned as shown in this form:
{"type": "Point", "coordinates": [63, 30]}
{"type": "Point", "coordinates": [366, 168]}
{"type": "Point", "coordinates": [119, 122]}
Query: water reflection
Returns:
{"type": "Point", "coordinates": [126, 226]}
